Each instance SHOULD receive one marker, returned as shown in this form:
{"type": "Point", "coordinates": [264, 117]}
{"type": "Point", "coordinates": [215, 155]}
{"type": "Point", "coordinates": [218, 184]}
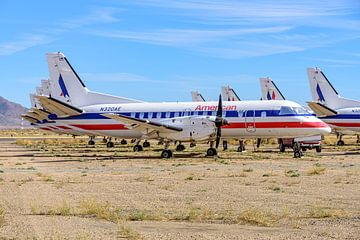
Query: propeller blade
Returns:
{"type": "Point", "coordinates": [218, 137]}
{"type": "Point", "coordinates": [219, 110]}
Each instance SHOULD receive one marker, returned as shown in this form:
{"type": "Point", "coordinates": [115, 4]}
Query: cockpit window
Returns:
{"type": "Point", "coordinates": [286, 111]}
{"type": "Point", "coordinates": [300, 110]}
{"type": "Point", "coordinates": [293, 111]}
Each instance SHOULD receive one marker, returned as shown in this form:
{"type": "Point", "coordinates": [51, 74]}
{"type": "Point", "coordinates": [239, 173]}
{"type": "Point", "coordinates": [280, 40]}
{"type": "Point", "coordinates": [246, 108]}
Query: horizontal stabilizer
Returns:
{"type": "Point", "coordinates": [142, 124]}
{"type": "Point", "coordinates": [321, 110]}
{"type": "Point", "coordinates": [57, 107]}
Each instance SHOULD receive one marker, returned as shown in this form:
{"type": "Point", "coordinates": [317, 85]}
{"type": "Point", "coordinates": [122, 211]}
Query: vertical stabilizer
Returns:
{"type": "Point", "coordinates": [269, 90]}
{"type": "Point", "coordinates": [197, 97]}
{"type": "Point", "coordinates": [229, 94]}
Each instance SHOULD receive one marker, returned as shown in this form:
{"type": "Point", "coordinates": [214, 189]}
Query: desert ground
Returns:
{"type": "Point", "coordinates": [56, 187]}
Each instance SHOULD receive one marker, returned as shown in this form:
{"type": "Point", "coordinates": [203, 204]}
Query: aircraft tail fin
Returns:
{"type": "Point", "coordinates": [67, 86]}
{"type": "Point", "coordinates": [322, 91]}
{"type": "Point", "coordinates": [229, 94]}
{"type": "Point", "coordinates": [197, 97]}
{"type": "Point", "coordinates": [269, 90]}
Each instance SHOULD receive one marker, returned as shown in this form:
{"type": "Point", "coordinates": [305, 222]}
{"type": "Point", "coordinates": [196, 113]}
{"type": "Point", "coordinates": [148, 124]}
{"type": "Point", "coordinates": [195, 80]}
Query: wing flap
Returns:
{"type": "Point", "coordinates": [57, 107]}
{"type": "Point", "coordinates": [321, 110]}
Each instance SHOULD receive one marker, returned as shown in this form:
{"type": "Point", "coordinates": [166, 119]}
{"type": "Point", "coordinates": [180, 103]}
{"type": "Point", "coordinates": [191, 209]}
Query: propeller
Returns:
{"type": "Point", "coordinates": [219, 122]}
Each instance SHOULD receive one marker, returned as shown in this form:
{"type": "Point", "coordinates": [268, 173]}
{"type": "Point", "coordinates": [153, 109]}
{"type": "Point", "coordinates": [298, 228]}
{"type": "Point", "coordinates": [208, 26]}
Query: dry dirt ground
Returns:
{"type": "Point", "coordinates": [64, 189]}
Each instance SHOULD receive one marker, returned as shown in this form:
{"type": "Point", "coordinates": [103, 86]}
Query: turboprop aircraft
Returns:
{"type": "Point", "coordinates": [342, 114]}
{"type": "Point", "coordinates": [174, 121]}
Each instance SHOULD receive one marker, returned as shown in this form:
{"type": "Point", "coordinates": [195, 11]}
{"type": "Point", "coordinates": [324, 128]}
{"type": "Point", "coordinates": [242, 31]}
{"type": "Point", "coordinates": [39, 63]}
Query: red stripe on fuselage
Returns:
{"type": "Point", "coordinates": [342, 124]}
{"type": "Point", "coordinates": [64, 127]}
{"type": "Point", "coordinates": [100, 126]}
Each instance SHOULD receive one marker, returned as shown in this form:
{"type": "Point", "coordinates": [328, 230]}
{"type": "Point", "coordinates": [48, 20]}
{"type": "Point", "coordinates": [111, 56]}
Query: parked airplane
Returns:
{"type": "Point", "coordinates": [197, 97]}
{"type": "Point", "coordinates": [173, 121]}
{"type": "Point", "coordinates": [229, 94]}
{"type": "Point", "coordinates": [270, 91]}
{"type": "Point", "coordinates": [342, 114]}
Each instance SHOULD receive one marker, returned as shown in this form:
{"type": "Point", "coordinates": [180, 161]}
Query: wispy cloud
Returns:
{"type": "Point", "coordinates": [26, 42]}
{"type": "Point", "coordinates": [174, 37]}
{"type": "Point", "coordinates": [51, 31]}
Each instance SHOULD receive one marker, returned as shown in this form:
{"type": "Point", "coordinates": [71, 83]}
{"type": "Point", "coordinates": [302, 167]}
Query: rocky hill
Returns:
{"type": "Point", "coordinates": [10, 114]}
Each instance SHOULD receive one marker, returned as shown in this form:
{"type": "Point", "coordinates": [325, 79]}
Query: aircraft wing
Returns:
{"type": "Point", "coordinates": [321, 110]}
{"type": "Point", "coordinates": [57, 107]}
{"type": "Point", "coordinates": [143, 125]}
{"type": "Point", "coordinates": [29, 118]}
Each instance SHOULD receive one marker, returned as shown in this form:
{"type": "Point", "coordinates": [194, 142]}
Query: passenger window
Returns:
{"type": "Point", "coordinates": [154, 115]}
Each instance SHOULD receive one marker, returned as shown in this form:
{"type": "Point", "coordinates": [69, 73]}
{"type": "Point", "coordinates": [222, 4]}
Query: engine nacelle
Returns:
{"type": "Point", "coordinates": [197, 128]}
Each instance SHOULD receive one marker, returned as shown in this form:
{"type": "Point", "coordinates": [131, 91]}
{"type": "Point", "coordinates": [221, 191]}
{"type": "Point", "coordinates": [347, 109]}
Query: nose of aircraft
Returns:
{"type": "Point", "coordinates": [321, 127]}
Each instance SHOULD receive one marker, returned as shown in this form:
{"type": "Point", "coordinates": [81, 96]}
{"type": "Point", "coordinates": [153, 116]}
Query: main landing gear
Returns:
{"type": "Point", "coordinates": [297, 150]}
{"type": "Point", "coordinates": [123, 142]}
{"type": "Point", "coordinates": [211, 151]}
{"type": "Point", "coordinates": [104, 140]}
{"type": "Point", "coordinates": [137, 147]}
{"type": "Point", "coordinates": [340, 142]}
{"type": "Point", "coordinates": [180, 147]}
{"type": "Point", "coordinates": [166, 153]}
{"type": "Point", "coordinates": [225, 145]}
{"type": "Point", "coordinates": [146, 144]}
{"type": "Point", "coordinates": [91, 141]}
{"type": "Point", "coordinates": [241, 147]}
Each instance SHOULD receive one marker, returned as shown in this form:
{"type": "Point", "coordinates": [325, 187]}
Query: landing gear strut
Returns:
{"type": "Point", "coordinates": [241, 146]}
{"type": "Point", "coordinates": [358, 139]}
{"type": "Point", "coordinates": [297, 150]}
{"type": "Point", "coordinates": [104, 140]}
{"type": "Point", "coordinates": [340, 142]}
{"type": "Point", "coordinates": [192, 144]}
{"type": "Point", "coordinates": [91, 141]}
{"type": "Point", "coordinates": [123, 142]}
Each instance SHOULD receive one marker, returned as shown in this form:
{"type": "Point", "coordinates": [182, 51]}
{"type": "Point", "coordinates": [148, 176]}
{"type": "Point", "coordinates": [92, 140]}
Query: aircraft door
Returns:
{"type": "Point", "coordinates": [250, 121]}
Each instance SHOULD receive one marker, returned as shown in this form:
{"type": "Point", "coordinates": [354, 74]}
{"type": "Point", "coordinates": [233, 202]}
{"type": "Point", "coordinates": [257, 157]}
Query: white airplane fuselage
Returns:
{"type": "Point", "coordinates": [347, 120]}
{"type": "Point", "coordinates": [247, 119]}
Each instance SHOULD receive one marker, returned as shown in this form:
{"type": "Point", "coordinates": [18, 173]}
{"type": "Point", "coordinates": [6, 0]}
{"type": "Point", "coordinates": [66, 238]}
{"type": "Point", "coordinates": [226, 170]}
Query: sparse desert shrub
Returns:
{"type": "Point", "coordinates": [248, 170]}
{"type": "Point", "coordinates": [325, 212]}
{"type": "Point", "coordinates": [99, 210]}
{"type": "Point", "coordinates": [124, 231]}
{"type": "Point", "coordinates": [292, 173]}
{"type": "Point", "coordinates": [255, 216]}
{"type": "Point", "coordinates": [316, 171]}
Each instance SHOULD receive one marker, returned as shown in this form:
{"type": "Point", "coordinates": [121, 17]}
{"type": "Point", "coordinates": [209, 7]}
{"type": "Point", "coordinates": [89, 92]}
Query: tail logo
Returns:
{"type": "Point", "coordinates": [64, 91]}
{"type": "Point", "coordinates": [272, 96]}
{"type": "Point", "coordinates": [319, 93]}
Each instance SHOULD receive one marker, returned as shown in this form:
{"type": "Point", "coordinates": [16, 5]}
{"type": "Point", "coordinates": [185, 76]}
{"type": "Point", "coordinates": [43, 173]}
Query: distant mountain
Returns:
{"type": "Point", "coordinates": [10, 114]}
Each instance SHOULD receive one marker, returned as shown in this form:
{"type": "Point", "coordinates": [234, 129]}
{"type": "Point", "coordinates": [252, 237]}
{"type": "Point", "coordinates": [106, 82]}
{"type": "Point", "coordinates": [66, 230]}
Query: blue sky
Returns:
{"type": "Point", "coordinates": [158, 50]}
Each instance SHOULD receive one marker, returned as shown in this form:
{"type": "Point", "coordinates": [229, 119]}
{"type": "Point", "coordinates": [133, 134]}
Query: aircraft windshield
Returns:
{"type": "Point", "coordinates": [293, 111]}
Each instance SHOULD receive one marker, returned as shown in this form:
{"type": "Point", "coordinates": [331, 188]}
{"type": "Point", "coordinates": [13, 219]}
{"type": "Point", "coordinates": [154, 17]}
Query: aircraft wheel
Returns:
{"type": "Point", "coordinates": [240, 149]}
{"type": "Point", "coordinates": [303, 149]}
{"type": "Point", "coordinates": [340, 143]}
{"type": "Point", "coordinates": [297, 154]}
{"type": "Point", "coordinates": [104, 140]}
{"type": "Point", "coordinates": [225, 145]}
{"type": "Point", "coordinates": [166, 153]}
{"type": "Point", "coordinates": [91, 142]}
{"type": "Point", "coordinates": [146, 144]}
{"type": "Point", "coordinates": [282, 147]}
{"type": "Point", "coordinates": [318, 149]}
{"type": "Point", "coordinates": [192, 144]}
{"type": "Point", "coordinates": [180, 148]}
{"type": "Point", "coordinates": [138, 148]}
{"type": "Point", "coordinates": [110, 145]}
{"type": "Point", "coordinates": [211, 152]}
{"type": "Point", "coordinates": [123, 142]}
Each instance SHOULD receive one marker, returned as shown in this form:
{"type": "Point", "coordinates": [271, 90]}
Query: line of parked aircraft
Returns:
{"type": "Point", "coordinates": [64, 105]}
